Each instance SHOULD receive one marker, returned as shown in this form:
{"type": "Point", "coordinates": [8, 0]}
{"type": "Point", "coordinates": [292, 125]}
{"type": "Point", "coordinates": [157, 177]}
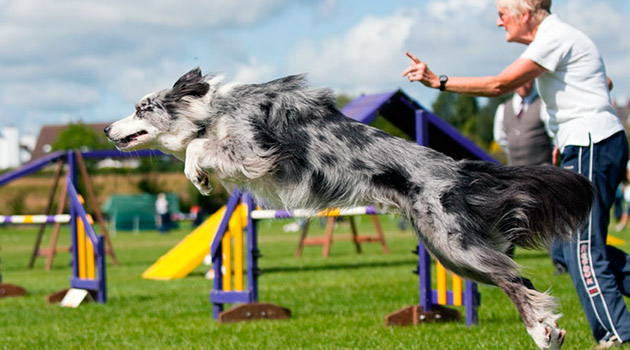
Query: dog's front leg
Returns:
{"type": "Point", "coordinates": [194, 172]}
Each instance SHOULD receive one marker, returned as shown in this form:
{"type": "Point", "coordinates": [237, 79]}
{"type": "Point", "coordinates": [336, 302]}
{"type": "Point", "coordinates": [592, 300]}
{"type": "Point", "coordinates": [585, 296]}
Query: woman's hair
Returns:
{"type": "Point", "coordinates": [539, 8]}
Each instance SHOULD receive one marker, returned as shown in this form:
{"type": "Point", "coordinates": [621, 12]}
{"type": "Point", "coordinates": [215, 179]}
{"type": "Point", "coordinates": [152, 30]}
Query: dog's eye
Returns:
{"type": "Point", "coordinates": [143, 108]}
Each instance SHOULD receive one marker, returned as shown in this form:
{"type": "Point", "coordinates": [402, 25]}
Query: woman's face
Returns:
{"type": "Point", "coordinates": [512, 24]}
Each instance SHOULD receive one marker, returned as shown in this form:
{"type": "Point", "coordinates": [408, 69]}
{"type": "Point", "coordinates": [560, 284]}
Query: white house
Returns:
{"type": "Point", "coordinates": [14, 150]}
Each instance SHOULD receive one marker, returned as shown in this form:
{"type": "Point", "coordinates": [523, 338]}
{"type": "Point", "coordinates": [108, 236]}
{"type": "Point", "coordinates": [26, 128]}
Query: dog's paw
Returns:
{"type": "Point", "coordinates": [547, 335]}
{"type": "Point", "coordinates": [199, 178]}
{"type": "Point", "coordinates": [203, 182]}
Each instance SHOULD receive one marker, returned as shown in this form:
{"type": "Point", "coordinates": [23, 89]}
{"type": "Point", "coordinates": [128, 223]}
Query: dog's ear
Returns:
{"type": "Point", "coordinates": [190, 84]}
{"type": "Point", "coordinates": [193, 76]}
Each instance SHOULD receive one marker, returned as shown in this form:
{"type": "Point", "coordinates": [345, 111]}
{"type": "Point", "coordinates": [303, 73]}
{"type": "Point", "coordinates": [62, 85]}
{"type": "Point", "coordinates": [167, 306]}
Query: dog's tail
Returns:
{"type": "Point", "coordinates": [530, 205]}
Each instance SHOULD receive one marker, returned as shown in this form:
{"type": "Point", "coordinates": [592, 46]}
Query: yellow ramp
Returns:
{"type": "Point", "coordinates": [616, 241]}
{"type": "Point", "coordinates": [190, 251]}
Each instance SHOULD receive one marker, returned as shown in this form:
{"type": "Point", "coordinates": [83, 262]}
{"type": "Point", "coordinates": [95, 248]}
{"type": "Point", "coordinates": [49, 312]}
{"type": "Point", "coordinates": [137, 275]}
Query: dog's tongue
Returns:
{"type": "Point", "coordinates": [134, 136]}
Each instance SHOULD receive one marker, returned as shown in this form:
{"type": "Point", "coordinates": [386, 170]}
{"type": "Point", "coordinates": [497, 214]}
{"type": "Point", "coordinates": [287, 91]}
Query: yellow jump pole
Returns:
{"type": "Point", "coordinates": [457, 290]}
{"type": "Point", "coordinates": [91, 262]}
{"type": "Point", "coordinates": [441, 284]}
{"type": "Point", "coordinates": [81, 248]}
{"type": "Point", "coordinates": [227, 261]}
{"type": "Point", "coordinates": [238, 248]}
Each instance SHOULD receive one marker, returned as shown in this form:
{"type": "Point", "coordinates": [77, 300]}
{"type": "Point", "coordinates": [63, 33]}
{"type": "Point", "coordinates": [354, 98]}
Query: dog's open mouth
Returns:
{"type": "Point", "coordinates": [125, 142]}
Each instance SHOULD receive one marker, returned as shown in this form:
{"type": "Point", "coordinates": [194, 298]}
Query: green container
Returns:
{"type": "Point", "coordinates": [135, 212]}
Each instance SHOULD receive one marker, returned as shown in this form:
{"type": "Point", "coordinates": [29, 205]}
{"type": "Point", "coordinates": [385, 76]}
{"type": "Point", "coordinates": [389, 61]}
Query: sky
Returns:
{"type": "Point", "coordinates": [84, 60]}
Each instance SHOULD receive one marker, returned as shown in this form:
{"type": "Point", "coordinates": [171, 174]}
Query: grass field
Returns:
{"type": "Point", "coordinates": [337, 303]}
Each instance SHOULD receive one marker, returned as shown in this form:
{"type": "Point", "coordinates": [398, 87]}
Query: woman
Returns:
{"type": "Point", "coordinates": [573, 85]}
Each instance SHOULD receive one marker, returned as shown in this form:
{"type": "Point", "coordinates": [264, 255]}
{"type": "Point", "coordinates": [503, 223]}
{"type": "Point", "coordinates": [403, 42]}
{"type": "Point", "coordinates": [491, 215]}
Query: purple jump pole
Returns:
{"type": "Point", "coordinates": [98, 285]}
{"type": "Point", "coordinates": [217, 256]}
{"type": "Point", "coordinates": [424, 272]}
{"type": "Point", "coordinates": [252, 251]}
{"type": "Point", "coordinates": [471, 300]}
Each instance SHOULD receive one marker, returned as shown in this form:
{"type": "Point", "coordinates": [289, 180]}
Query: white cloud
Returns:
{"type": "Point", "coordinates": [186, 13]}
{"type": "Point", "coordinates": [445, 10]}
{"type": "Point", "coordinates": [49, 95]}
{"type": "Point", "coordinates": [120, 49]}
{"type": "Point", "coordinates": [365, 57]}
{"type": "Point", "coordinates": [254, 72]}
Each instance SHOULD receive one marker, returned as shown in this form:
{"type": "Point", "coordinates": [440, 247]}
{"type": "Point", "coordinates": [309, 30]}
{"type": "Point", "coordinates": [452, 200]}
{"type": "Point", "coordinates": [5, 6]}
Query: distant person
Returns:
{"type": "Point", "coordinates": [163, 213]}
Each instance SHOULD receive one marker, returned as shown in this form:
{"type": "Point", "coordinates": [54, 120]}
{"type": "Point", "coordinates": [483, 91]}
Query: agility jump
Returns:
{"type": "Point", "coordinates": [431, 301]}
{"type": "Point", "coordinates": [88, 249]}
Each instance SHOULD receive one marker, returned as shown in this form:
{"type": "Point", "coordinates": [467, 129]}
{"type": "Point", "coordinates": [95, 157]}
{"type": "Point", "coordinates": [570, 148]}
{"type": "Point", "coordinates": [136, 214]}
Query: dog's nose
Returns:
{"type": "Point", "coordinates": [107, 129]}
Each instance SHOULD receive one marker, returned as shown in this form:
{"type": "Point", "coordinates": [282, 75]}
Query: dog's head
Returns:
{"type": "Point", "coordinates": [167, 119]}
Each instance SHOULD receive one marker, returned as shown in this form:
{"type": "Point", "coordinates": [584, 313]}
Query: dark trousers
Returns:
{"type": "Point", "coordinates": [600, 274]}
{"type": "Point", "coordinates": [165, 222]}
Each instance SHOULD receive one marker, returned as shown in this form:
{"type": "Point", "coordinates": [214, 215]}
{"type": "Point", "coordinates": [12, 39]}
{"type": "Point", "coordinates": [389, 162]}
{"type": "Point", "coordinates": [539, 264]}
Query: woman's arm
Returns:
{"type": "Point", "coordinates": [516, 74]}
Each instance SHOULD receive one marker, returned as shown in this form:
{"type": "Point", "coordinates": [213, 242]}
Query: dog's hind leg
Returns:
{"type": "Point", "coordinates": [536, 311]}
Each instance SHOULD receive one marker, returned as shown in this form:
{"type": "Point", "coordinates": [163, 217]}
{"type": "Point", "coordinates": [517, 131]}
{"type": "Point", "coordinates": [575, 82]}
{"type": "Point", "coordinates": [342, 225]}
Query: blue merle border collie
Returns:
{"type": "Point", "coordinates": [288, 144]}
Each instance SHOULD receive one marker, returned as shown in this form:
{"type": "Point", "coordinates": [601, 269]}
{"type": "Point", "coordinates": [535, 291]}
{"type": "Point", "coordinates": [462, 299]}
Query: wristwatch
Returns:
{"type": "Point", "coordinates": [443, 80]}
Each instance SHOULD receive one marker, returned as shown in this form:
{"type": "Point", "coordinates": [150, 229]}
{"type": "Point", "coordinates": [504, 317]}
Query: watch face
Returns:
{"type": "Point", "coordinates": [443, 79]}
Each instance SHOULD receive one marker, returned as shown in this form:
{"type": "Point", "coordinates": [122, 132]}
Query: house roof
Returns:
{"type": "Point", "coordinates": [416, 121]}
{"type": "Point", "coordinates": [49, 134]}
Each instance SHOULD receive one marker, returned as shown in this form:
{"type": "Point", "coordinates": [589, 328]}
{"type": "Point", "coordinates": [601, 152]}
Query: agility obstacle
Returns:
{"type": "Point", "coordinates": [88, 249]}
{"type": "Point", "coordinates": [34, 219]}
{"type": "Point", "coordinates": [74, 160]}
{"type": "Point", "coordinates": [76, 166]}
{"type": "Point", "coordinates": [432, 302]}
{"type": "Point", "coordinates": [88, 252]}
{"type": "Point", "coordinates": [222, 293]}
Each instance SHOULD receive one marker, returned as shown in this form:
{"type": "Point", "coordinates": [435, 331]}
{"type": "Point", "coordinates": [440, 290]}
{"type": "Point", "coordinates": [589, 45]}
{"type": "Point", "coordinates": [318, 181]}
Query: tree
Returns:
{"type": "Point", "coordinates": [379, 122]}
{"type": "Point", "coordinates": [444, 106]}
{"type": "Point", "coordinates": [485, 121]}
{"type": "Point", "coordinates": [342, 100]}
{"type": "Point", "coordinates": [466, 112]}
{"type": "Point", "coordinates": [80, 136]}
{"type": "Point", "coordinates": [458, 110]}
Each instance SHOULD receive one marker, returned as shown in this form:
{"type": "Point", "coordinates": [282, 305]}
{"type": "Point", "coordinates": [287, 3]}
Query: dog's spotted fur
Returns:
{"type": "Point", "coordinates": [287, 143]}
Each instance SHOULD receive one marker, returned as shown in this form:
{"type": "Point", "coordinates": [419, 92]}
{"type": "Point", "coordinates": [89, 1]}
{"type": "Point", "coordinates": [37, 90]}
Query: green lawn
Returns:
{"type": "Point", "coordinates": [337, 303]}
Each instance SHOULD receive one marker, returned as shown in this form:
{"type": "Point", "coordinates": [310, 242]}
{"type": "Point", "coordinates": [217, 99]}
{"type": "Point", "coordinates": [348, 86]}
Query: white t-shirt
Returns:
{"type": "Point", "coordinates": [574, 88]}
{"type": "Point", "coordinates": [161, 206]}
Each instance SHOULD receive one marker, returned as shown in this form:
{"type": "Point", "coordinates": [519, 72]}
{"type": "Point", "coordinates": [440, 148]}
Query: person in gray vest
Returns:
{"type": "Point", "coordinates": [521, 129]}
